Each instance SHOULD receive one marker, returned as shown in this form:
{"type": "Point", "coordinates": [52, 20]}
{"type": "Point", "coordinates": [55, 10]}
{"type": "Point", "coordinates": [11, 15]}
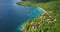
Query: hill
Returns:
{"type": "Point", "coordinates": [47, 22]}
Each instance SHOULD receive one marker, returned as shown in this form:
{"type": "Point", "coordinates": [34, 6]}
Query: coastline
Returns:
{"type": "Point", "coordinates": [49, 18]}
{"type": "Point", "coordinates": [33, 18]}
{"type": "Point", "coordinates": [42, 17]}
{"type": "Point", "coordinates": [43, 10]}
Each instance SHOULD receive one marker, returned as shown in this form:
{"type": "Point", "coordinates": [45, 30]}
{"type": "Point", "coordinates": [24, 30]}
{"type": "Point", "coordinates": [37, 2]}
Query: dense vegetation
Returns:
{"type": "Point", "coordinates": [42, 24]}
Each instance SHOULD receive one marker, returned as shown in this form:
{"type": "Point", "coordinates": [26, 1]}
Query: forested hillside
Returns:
{"type": "Point", "coordinates": [47, 22]}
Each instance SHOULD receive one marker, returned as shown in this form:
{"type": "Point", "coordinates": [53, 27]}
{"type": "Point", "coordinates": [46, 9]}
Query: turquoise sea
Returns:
{"type": "Point", "coordinates": [33, 12]}
{"type": "Point", "coordinates": [12, 15]}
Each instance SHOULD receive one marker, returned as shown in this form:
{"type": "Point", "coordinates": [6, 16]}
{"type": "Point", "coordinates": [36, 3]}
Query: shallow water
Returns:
{"type": "Point", "coordinates": [12, 15]}
{"type": "Point", "coordinates": [33, 12]}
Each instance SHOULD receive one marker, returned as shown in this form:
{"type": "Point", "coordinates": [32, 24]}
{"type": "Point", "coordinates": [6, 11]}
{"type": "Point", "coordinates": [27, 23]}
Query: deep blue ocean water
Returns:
{"type": "Point", "coordinates": [12, 15]}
